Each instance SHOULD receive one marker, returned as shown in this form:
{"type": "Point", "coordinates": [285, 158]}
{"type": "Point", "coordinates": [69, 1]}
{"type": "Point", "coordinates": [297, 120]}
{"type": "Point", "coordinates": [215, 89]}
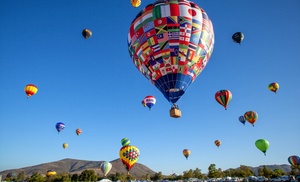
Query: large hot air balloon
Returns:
{"type": "Point", "coordinates": [105, 167]}
{"type": "Point", "coordinates": [59, 126]}
{"type": "Point", "coordinates": [50, 173]}
{"type": "Point", "coordinates": [30, 90]}
{"type": "Point", "coordinates": [251, 116]}
{"type": "Point", "coordinates": [217, 143]}
{"type": "Point", "coordinates": [86, 33]}
{"type": "Point", "coordinates": [242, 119]}
{"type": "Point", "coordinates": [135, 3]}
{"type": "Point", "coordinates": [65, 145]}
{"type": "Point", "coordinates": [78, 131]}
{"type": "Point", "coordinates": [125, 141]}
{"type": "Point", "coordinates": [149, 101]}
{"type": "Point", "coordinates": [170, 43]}
{"type": "Point", "coordinates": [223, 97]}
{"type": "Point", "coordinates": [129, 156]}
{"type": "Point", "coordinates": [186, 153]}
{"type": "Point", "coordinates": [294, 160]}
{"type": "Point", "coordinates": [262, 145]}
{"type": "Point", "coordinates": [273, 87]}
{"type": "Point", "coordinates": [238, 37]}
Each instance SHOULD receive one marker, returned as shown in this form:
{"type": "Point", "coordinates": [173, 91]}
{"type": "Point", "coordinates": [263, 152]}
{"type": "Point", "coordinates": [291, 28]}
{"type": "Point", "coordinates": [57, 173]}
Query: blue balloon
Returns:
{"type": "Point", "coordinates": [242, 119]}
{"type": "Point", "coordinates": [59, 126]}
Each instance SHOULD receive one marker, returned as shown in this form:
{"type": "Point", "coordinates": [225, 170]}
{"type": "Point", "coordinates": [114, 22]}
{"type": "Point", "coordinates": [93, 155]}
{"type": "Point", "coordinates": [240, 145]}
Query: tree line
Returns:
{"type": "Point", "coordinates": [213, 172]}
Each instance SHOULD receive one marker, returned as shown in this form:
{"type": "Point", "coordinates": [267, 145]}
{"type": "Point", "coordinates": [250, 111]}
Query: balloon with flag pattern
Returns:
{"type": "Point", "coordinates": [170, 42]}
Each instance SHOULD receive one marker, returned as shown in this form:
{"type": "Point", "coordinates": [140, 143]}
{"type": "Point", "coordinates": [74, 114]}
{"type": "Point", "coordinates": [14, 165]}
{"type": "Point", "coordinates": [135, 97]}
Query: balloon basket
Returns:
{"type": "Point", "coordinates": [175, 113]}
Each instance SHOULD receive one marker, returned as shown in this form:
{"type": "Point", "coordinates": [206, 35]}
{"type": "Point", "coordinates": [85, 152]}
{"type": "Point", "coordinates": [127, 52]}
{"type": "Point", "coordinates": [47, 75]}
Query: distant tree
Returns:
{"type": "Point", "coordinates": [157, 176]}
{"type": "Point", "coordinates": [229, 172]}
{"type": "Point", "coordinates": [260, 172]}
{"type": "Point", "coordinates": [188, 174]}
{"type": "Point", "coordinates": [268, 173]}
{"type": "Point", "coordinates": [212, 171]}
{"type": "Point", "coordinates": [21, 176]}
{"type": "Point", "coordinates": [63, 177]}
{"type": "Point", "coordinates": [197, 173]}
{"type": "Point", "coordinates": [278, 172]}
{"type": "Point", "coordinates": [244, 171]}
{"type": "Point", "coordinates": [220, 173]}
{"type": "Point", "coordinates": [36, 177]}
{"type": "Point", "coordinates": [75, 178]}
{"type": "Point", "coordinates": [88, 175]}
{"type": "Point", "coordinates": [122, 177]}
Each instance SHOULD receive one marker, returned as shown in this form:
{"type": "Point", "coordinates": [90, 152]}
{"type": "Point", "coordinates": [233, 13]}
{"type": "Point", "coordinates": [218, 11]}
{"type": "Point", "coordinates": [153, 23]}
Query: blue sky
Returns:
{"type": "Point", "coordinates": [93, 85]}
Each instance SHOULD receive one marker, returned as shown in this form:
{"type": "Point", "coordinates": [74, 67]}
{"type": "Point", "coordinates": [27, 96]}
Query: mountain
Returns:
{"type": "Point", "coordinates": [77, 166]}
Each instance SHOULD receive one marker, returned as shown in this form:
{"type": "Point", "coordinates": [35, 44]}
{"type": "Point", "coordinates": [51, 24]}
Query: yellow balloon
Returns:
{"type": "Point", "coordinates": [135, 3]}
{"type": "Point", "coordinates": [30, 90]}
{"type": "Point", "coordinates": [65, 145]}
{"type": "Point", "coordinates": [129, 155]}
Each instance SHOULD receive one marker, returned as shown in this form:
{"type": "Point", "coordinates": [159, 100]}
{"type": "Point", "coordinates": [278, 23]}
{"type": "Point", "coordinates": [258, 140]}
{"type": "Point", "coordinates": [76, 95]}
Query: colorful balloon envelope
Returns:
{"type": "Point", "coordinates": [273, 87]}
{"type": "Point", "coordinates": [294, 160]}
{"type": "Point", "coordinates": [223, 97]}
{"type": "Point", "coordinates": [238, 37]}
{"type": "Point", "coordinates": [65, 145]}
{"type": "Point", "coordinates": [149, 101]}
{"type": "Point", "coordinates": [186, 153]}
{"type": "Point", "coordinates": [170, 43]}
{"type": "Point", "coordinates": [125, 141]}
{"type": "Point", "coordinates": [135, 3]}
{"type": "Point", "coordinates": [129, 155]}
{"type": "Point", "coordinates": [262, 145]}
{"type": "Point", "coordinates": [217, 143]}
{"type": "Point", "coordinates": [105, 167]}
{"type": "Point", "coordinates": [78, 131]}
{"type": "Point", "coordinates": [251, 116]}
{"type": "Point", "coordinates": [59, 126]}
{"type": "Point", "coordinates": [86, 33]}
{"type": "Point", "coordinates": [30, 90]}
{"type": "Point", "coordinates": [242, 119]}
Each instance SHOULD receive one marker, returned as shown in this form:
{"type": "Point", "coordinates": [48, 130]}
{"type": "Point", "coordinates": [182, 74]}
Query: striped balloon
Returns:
{"type": "Point", "coordinates": [125, 141]}
{"type": "Point", "coordinates": [294, 160]}
{"type": "Point", "coordinates": [149, 101]}
{"type": "Point", "coordinates": [105, 167]}
{"type": "Point", "coordinates": [30, 90]}
{"type": "Point", "coordinates": [223, 97]}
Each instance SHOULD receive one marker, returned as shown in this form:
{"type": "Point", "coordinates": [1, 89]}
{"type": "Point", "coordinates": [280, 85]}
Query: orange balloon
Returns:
{"type": "Point", "coordinates": [186, 153]}
{"type": "Point", "coordinates": [218, 143]}
{"type": "Point", "coordinates": [30, 90]}
{"type": "Point", "coordinates": [78, 131]}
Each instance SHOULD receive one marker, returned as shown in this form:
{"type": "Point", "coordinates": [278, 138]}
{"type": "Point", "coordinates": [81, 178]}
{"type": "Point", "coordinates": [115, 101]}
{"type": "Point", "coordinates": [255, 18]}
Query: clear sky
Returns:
{"type": "Point", "coordinates": [93, 85]}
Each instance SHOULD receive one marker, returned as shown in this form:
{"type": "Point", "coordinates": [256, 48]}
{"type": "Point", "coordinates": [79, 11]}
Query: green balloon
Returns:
{"type": "Point", "coordinates": [262, 145]}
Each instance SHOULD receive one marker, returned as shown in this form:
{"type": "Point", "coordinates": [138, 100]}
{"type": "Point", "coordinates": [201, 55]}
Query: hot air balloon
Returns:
{"type": "Point", "coordinates": [65, 145]}
{"type": "Point", "coordinates": [186, 153]}
{"type": "Point", "coordinates": [149, 101]}
{"type": "Point", "coordinates": [78, 131]}
{"type": "Point", "coordinates": [129, 156]}
{"type": "Point", "coordinates": [223, 97]}
{"type": "Point", "coordinates": [262, 145]}
{"type": "Point", "coordinates": [30, 90]}
{"type": "Point", "coordinates": [105, 167]}
{"type": "Point", "coordinates": [238, 37]}
{"type": "Point", "coordinates": [217, 143]}
{"type": "Point", "coordinates": [251, 116]}
{"type": "Point", "coordinates": [50, 173]}
{"type": "Point", "coordinates": [59, 126]}
{"type": "Point", "coordinates": [170, 43]}
{"type": "Point", "coordinates": [135, 3]}
{"type": "Point", "coordinates": [273, 87]}
{"type": "Point", "coordinates": [86, 33]}
{"type": "Point", "coordinates": [242, 119]}
{"type": "Point", "coordinates": [294, 160]}
{"type": "Point", "coordinates": [143, 103]}
{"type": "Point", "coordinates": [125, 141]}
